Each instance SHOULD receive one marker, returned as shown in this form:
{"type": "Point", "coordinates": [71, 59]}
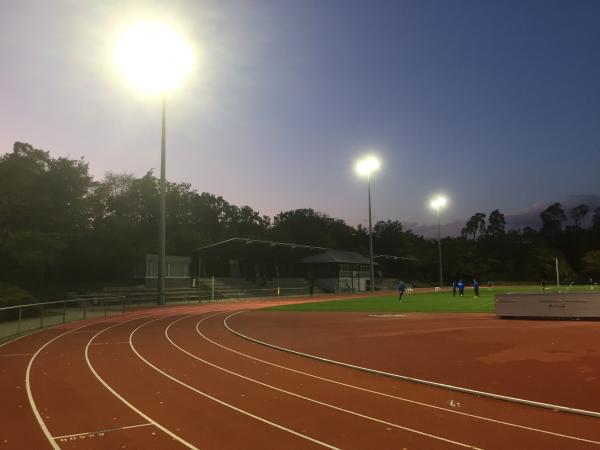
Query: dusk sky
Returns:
{"type": "Point", "coordinates": [496, 104]}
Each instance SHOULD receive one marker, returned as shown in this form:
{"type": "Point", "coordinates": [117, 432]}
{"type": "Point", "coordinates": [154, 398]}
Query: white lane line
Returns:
{"type": "Point", "coordinates": [418, 380]}
{"type": "Point", "coordinates": [36, 413]}
{"type": "Point", "coordinates": [312, 400]}
{"type": "Point", "coordinates": [395, 397]}
{"type": "Point", "coordinates": [93, 433]}
{"type": "Point", "coordinates": [221, 402]}
{"type": "Point", "coordinates": [116, 394]}
{"type": "Point", "coordinates": [110, 343]}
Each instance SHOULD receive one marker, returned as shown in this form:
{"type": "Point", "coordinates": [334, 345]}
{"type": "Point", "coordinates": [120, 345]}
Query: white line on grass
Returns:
{"type": "Point", "coordinates": [418, 380]}
{"type": "Point", "coordinates": [395, 397]}
{"type": "Point", "coordinates": [337, 408]}
{"type": "Point", "coordinates": [221, 402]}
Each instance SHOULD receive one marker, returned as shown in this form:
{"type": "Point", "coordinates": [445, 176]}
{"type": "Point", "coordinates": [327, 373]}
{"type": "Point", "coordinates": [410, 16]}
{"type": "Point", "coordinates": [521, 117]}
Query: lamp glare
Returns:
{"type": "Point", "coordinates": [153, 57]}
{"type": "Point", "coordinates": [367, 166]}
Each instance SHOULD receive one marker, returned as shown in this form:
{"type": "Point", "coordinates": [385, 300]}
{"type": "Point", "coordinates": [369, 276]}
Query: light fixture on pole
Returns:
{"type": "Point", "coordinates": [367, 166]}
{"type": "Point", "coordinates": [154, 58]}
{"type": "Point", "coordinates": [437, 203]}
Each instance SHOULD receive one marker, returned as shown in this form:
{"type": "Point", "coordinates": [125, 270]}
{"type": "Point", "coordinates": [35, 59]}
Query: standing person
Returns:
{"type": "Point", "coordinates": [401, 288]}
{"type": "Point", "coordinates": [475, 288]}
{"type": "Point", "coordinates": [454, 289]}
{"type": "Point", "coordinates": [490, 284]}
{"type": "Point", "coordinates": [461, 288]}
{"type": "Point", "coordinates": [543, 285]}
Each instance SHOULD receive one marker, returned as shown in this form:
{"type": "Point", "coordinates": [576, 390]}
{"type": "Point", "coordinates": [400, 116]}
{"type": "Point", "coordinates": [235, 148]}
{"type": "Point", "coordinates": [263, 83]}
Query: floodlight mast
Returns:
{"type": "Point", "coordinates": [367, 166]}
{"type": "Point", "coordinates": [154, 58]}
{"type": "Point", "coordinates": [437, 203]}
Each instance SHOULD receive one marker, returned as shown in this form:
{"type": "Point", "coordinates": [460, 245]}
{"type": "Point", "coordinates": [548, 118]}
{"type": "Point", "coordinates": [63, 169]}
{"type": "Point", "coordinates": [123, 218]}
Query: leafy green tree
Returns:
{"type": "Point", "coordinates": [596, 219]}
{"type": "Point", "coordinates": [578, 214]}
{"type": "Point", "coordinates": [44, 207]}
{"type": "Point", "coordinates": [591, 264]}
{"type": "Point", "coordinates": [552, 219]}
{"type": "Point", "coordinates": [474, 227]}
{"type": "Point", "coordinates": [496, 224]}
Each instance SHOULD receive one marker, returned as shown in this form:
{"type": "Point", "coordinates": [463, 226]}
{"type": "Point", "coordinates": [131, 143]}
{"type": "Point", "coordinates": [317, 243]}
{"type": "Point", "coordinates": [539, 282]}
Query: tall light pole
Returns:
{"type": "Point", "coordinates": [366, 167]}
{"type": "Point", "coordinates": [437, 203]}
{"type": "Point", "coordinates": [154, 58]}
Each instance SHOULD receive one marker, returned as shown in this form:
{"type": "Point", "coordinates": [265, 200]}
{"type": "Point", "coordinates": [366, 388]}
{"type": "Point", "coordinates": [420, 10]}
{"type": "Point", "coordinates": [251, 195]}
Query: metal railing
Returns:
{"type": "Point", "coordinates": [22, 319]}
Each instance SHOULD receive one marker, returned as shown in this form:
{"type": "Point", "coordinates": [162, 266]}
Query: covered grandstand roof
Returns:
{"type": "Point", "coordinates": [335, 256]}
{"type": "Point", "coordinates": [249, 241]}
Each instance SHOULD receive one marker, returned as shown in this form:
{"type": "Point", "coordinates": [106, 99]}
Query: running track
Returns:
{"type": "Point", "coordinates": [177, 378]}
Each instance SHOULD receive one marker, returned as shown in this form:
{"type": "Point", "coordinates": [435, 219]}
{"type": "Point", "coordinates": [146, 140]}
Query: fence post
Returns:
{"type": "Point", "coordinates": [20, 318]}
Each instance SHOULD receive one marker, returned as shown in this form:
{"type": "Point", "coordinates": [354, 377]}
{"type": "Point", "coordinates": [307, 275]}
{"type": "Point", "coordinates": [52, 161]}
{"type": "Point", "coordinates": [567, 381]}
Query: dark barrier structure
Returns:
{"type": "Point", "coordinates": [557, 305]}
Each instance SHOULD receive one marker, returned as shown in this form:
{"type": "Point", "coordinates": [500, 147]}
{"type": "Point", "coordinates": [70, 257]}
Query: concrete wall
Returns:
{"type": "Point", "coordinates": [550, 305]}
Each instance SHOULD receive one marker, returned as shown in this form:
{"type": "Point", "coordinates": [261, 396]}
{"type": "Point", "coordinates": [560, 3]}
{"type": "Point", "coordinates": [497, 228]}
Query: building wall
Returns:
{"type": "Point", "coordinates": [178, 271]}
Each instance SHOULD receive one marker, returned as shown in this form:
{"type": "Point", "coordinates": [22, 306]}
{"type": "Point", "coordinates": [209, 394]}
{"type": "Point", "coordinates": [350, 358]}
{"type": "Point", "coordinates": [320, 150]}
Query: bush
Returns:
{"type": "Point", "coordinates": [13, 296]}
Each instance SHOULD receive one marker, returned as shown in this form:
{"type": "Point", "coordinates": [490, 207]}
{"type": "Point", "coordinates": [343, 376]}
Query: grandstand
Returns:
{"type": "Point", "coordinates": [259, 264]}
{"type": "Point", "coordinates": [253, 267]}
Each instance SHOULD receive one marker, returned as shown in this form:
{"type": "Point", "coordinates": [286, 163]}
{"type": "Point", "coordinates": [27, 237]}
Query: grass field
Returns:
{"type": "Point", "coordinates": [418, 302]}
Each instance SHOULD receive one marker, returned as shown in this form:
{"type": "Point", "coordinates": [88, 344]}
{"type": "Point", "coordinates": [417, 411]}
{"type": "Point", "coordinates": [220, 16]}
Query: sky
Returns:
{"type": "Point", "coordinates": [495, 104]}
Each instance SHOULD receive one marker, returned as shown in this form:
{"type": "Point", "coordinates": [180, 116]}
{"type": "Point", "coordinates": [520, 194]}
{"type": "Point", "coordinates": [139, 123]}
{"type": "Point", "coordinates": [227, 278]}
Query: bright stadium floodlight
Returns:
{"type": "Point", "coordinates": [436, 203]}
{"type": "Point", "coordinates": [154, 58]}
{"type": "Point", "coordinates": [367, 166]}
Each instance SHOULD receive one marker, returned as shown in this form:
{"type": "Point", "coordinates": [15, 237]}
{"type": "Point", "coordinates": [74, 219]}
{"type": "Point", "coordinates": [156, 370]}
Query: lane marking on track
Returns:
{"type": "Point", "coordinates": [312, 400]}
{"type": "Point", "coordinates": [36, 413]}
{"type": "Point", "coordinates": [221, 402]}
{"type": "Point", "coordinates": [386, 315]}
{"type": "Point", "coordinates": [110, 343]}
{"type": "Point", "coordinates": [417, 380]}
{"type": "Point", "coordinates": [32, 403]}
{"type": "Point", "coordinates": [395, 397]}
{"type": "Point", "coordinates": [116, 394]}
{"type": "Point", "coordinates": [67, 437]}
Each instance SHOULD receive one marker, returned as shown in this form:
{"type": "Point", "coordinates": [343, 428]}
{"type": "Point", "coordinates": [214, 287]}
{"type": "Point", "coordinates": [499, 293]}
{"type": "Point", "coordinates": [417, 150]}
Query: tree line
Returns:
{"type": "Point", "coordinates": [59, 226]}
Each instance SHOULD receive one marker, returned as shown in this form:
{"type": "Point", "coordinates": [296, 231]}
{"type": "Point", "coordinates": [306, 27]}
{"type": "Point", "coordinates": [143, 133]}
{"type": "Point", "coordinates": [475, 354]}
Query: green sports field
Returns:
{"type": "Point", "coordinates": [418, 302]}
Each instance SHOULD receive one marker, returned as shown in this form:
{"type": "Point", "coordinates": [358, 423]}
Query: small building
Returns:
{"type": "Point", "coordinates": [338, 271]}
{"type": "Point", "coordinates": [178, 271]}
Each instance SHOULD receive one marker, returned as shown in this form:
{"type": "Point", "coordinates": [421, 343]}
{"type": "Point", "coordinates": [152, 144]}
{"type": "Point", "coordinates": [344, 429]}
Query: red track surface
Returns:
{"type": "Point", "coordinates": [177, 378]}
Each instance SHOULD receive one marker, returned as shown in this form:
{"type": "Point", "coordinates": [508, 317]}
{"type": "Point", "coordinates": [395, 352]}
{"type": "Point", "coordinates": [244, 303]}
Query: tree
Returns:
{"type": "Point", "coordinates": [496, 224]}
{"type": "Point", "coordinates": [307, 226]}
{"type": "Point", "coordinates": [591, 264]}
{"type": "Point", "coordinates": [474, 226]}
{"type": "Point", "coordinates": [44, 208]}
{"type": "Point", "coordinates": [578, 214]}
{"type": "Point", "coordinates": [596, 219]}
{"type": "Point", "coordinates": [552, 218]}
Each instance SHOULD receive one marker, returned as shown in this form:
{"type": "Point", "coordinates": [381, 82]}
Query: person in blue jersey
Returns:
{"type": "Point", "coordinates": [461, 288]}
{"type": "Point", "coordinates": [401, 289]}
{"type": "Point", "coordinates": [475, 288]}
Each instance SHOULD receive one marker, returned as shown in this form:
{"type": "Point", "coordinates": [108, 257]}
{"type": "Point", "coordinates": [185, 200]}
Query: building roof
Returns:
{"type": "Point", "coordinates": [238, 240]}
{"type": "Point", "coordinates": [335, 256]}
